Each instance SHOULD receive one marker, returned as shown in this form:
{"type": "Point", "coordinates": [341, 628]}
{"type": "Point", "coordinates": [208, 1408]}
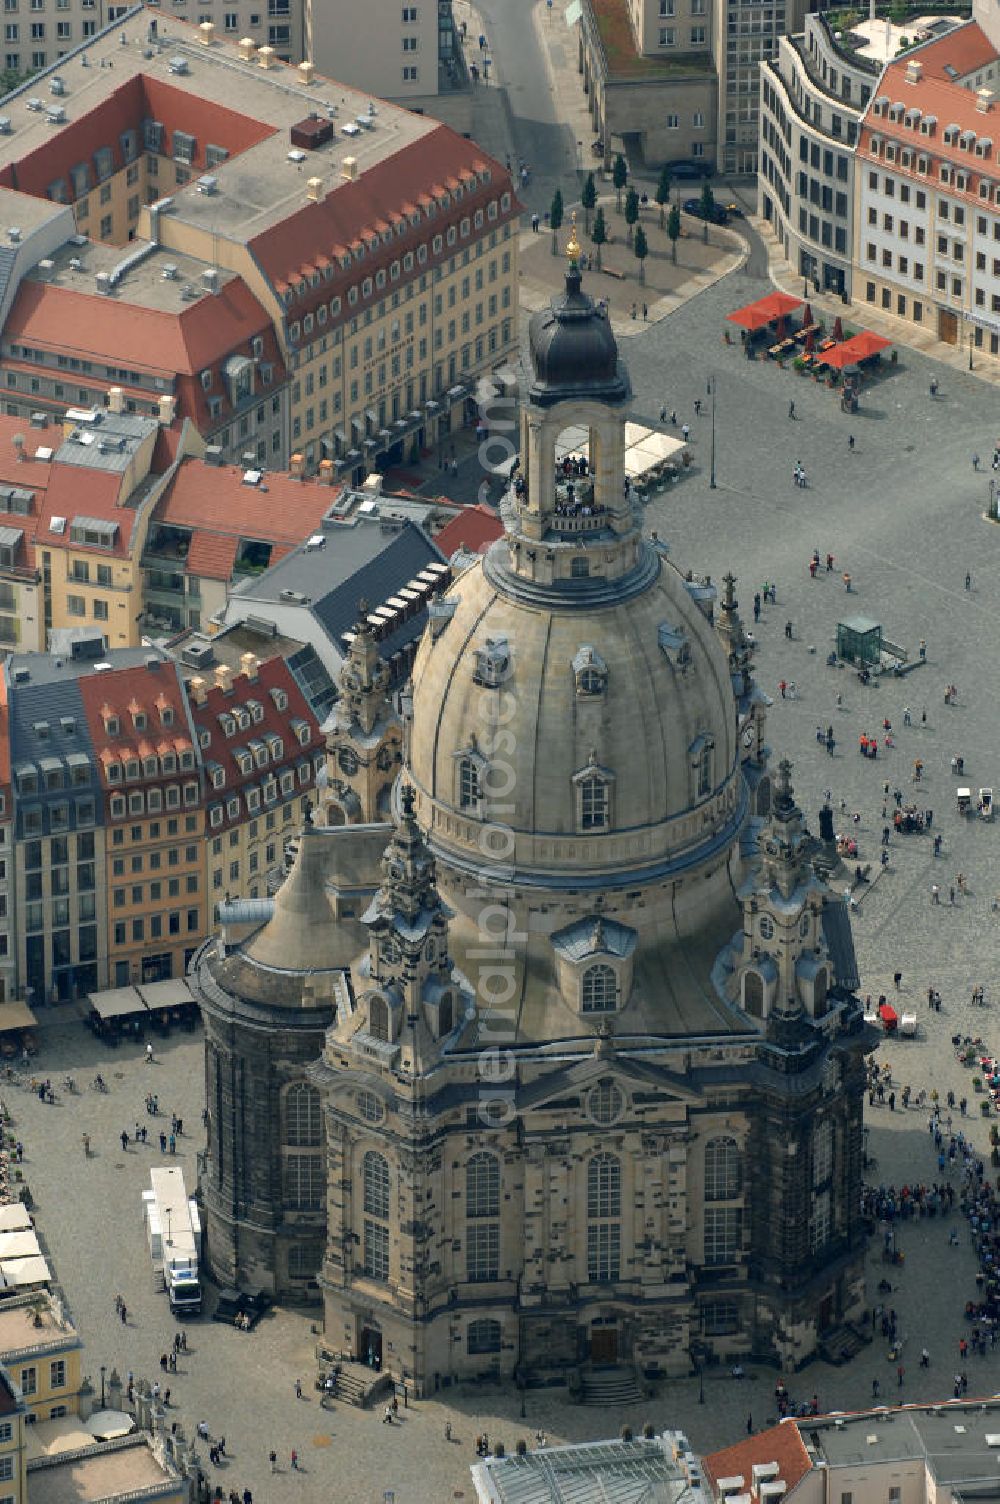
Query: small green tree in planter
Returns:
{"type": "Point", "coordinates": [986, 1108]}
{"type": "Point", "coordinates": [640, 246]}
{"type": "Point", "coordinates": [707, 207]}
{"type": "Point", "coordinates": [674, 230]}
{"type": "Point", "coordinates": [662, 194]}
{"type": "Point", "coordinates": [599, 234]}
{"type": "Point", "coordinates": [556, 218]}
{"type": "Point", "coordinates": [588, 199]}
{"type": "Point", "coordinates": [631, 212]}
{"type": "Point", "coordinates": [798, 364]}
{"type": "Point", "coordinates": [619, 176]}
{"type": "Point", "coordinates": [977, 1083]}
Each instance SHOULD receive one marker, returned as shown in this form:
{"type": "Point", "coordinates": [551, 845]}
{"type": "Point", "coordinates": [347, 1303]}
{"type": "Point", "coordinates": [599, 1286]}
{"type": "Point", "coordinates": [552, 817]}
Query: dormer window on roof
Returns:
{"type": "Point", "coordinates": [492, 662]}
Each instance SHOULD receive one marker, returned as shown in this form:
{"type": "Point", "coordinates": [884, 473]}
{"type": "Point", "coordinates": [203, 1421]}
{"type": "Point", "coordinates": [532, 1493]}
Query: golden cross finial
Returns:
{"type": "Point", "coordinates": [572, 244]}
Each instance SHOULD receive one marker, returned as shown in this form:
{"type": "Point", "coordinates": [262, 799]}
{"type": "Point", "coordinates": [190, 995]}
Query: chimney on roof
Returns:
{"type": "Point", "coordinates": [116, 399]}
{"type": "Point", "coordinates": [307, 71]}
{"type": "Point", "coordinates": [206, 32]}
{"type": "Point", "coordinates": [297, 465]}
{"type": "Point", "coordinates": [249, 665]}
{"type": "Point", "coordinates": [326, 469]}
{"type": "Point", "coordinates": [349, 168]}
{"type": "Point", "coordinates": [224, 678]}
{"type": "Point", "coordinates": [984, 100]}
{"type": "Point", "coordinates": [914, 71]}
{"type": "Point", "coordinates": [314, 190]}
{"type": "Point", "coordinates": [266, 57]}
{"type": "Point", "coordinates": [198, 690]}
{"type": "Point", "coordinates": [210, 278]}
{"type": "Point", "coordinates": [248, 48]}
{"type": "Point", "coordinates": [167, 407]}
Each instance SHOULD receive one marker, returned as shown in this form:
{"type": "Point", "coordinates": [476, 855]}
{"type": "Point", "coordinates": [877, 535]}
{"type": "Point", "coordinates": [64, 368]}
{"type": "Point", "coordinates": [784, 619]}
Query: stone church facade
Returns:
{"type": "Point", "coordinates": [549, 1054]}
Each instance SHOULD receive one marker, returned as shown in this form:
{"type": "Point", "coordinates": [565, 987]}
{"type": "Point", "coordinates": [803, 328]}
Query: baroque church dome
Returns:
{"type": "Point", "coordinates": [573, 349]}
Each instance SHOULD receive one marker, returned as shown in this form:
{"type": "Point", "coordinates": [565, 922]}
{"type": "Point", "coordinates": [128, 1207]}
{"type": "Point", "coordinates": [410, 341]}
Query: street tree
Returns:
{"type": "Point", "coordinates": [556, 218]}
{"type": "Point", "coordinates": [707, 208]}
{"type": "Point", "coordinates": [674, 230]}
{"type": "Point", "coordinates": [619, 176]}
{"type": "Point", "coordinates": [599, 234]}
{"type": "Point", "coordinates": [640, 246]}
{"type": "Point", "coordinates": [662, 194]}
{"type": "Point", "coordinates": [631, 211]}
{"type": "Point", "coordinates": [588, 199]}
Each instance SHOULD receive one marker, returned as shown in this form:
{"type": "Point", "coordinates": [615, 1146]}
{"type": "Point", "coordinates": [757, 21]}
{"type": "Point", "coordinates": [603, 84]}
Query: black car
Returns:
{"type": "Point", "coordinates": [717, 215]}
{"type": "Point", "coordinates": [692, 171]}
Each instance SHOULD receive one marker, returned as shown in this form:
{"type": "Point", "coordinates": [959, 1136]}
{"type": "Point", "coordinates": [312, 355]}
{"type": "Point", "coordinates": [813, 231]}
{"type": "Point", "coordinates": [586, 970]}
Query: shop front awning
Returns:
{"type": "Point", "coordinates": [16, 1015]}
{"type": "Point", "coordinates": [117, 1002]}
{"type": "Point", "coordinates": [764, 311]}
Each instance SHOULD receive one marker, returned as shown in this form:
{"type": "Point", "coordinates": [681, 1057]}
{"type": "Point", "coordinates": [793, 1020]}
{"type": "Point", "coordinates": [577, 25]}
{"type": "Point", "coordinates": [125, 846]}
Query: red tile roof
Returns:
{"type": "Point", "coordinates": [213, 498]}
{"type": "Point", "coordinates": [324, 230]}
{"type": "Point", "coordinates": [78, 491]}
{"type": "Point", "coordinates": [474, 529]}
{"type": "Point", "coordinates": [781, 1444]}
{"type": "Point", "coordinates": [139, 99]}
{"type": "Point", "coordinates": [153, 690]}
{"type": "Point", "coordinates": [960, 52]}
{"type": "Point", "coordinates": [272, 675]}
{"type": "Point", "coordinates": [30, 475]}
{"type": "Point", "coordinates": [152, 341]}
{"type": "Point", "coordinates": [211, 556]}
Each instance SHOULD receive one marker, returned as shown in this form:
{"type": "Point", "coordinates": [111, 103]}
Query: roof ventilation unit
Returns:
{"type": "Point", "coordinates": [178, 65]}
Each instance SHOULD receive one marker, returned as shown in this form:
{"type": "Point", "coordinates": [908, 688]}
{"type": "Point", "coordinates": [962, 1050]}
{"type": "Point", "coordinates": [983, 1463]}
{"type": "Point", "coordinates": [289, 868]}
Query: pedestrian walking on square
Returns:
{"type": "Point", "coordinates": [124, 1138]}
{"type": "Point", "coordinates": [697, 407]}
{"type": "Point", "coordinates": [951, 895]}
{"type": "Point", "coordinates": [273, 1459]}
{"type": "Point", "coordinates": [173, 1144]}
{"type": "Point", "coordinates": [850, 441]}
{"type": "Point", "coordinates": [907, 717]}
{"type": "Point", "coordinates": [163, 1143]}
{"type": "Point", "coordinates": [900, 1371]}
{"type": "Point", "coordinates": [685, 432]}
{"type": "Point", "coordinates": [663, 414]}
{"type": "Point", "coordinates": [847, 582]}
{"type": "Point", "coordinates": [124, 1314]}
{"type": "Point", "coordinates": [247, 1496]}
{"type": "Point", "coordinates": [86, 1146]}
{"type": "Point", "coordinates": [968, 580]}
{"type": "Point", "coordinates": [791, 409]}
{"type": "Point", "coordinates": [149, 1054]}
{"type": "Point", "coordinates": [975, 462]}
{"type": "Point", "coordinates": [935, 893]}
{"type": "Point", "coordinates": [298, 1389]}
{"type": "Point", "coordinates": [295, 1460]}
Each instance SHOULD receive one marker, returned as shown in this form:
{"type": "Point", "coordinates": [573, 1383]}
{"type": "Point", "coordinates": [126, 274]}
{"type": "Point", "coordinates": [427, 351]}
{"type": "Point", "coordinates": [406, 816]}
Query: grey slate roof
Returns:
{"type": "Point", "coordinates": [602, 1472]}
{"type": "Point", "coordinates": [840, 944]}
{"type": "Point", "coordinates": [359, 561]}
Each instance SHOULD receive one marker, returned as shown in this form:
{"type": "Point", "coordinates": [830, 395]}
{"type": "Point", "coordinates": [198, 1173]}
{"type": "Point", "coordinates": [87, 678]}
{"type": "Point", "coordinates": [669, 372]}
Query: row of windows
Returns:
{"type": "Point", "coordinates": [138, 894]}
{"type": "Point", "coordinates": [152, 801]}
{"type": "Point", "coordinates": [135, 931]}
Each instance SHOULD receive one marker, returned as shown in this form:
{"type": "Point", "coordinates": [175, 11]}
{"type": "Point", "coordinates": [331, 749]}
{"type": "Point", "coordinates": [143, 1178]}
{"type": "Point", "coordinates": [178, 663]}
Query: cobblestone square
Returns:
{"type": "Point", "coordinates": [901, 513]}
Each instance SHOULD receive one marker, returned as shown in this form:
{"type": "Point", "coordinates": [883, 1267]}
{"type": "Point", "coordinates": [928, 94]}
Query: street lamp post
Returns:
{"type": "Point", "coordinates": [711, 481]}
{"type": "Point", "coordinates": [103, 1372]}
{"type": "Point", "coordinates": [970, 349]}
{"type": "Point", "coordinates": [993, 500]}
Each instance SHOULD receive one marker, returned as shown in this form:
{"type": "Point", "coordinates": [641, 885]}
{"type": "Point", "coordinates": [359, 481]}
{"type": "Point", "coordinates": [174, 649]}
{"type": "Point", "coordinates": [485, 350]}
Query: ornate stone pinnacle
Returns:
{"type": "Point", "coordinates": [572, 244]}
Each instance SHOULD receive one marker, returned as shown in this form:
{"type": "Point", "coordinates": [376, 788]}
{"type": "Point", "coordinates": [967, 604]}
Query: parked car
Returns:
{"type": "Point", "coordinates": [692, 171]}
{"type": "Point", "coordinates": [718, 215]}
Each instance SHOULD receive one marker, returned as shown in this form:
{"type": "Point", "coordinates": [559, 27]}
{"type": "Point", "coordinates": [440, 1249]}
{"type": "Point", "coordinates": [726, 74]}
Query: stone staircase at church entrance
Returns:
{"type": "Point", "coordinates": [609, 1386]}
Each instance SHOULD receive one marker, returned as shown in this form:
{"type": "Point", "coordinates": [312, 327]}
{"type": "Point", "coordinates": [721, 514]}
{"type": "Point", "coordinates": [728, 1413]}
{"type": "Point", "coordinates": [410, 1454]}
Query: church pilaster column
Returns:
{"type": "Point", "coordinates": [535, 1223]}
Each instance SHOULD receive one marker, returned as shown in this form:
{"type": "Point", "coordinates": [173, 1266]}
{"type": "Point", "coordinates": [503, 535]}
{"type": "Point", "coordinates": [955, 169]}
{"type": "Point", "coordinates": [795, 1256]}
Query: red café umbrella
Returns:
{"type": "Point", "coordinates": [838, 328]}
{"type": "Point", "coordinates": [810, 341]}
{"type": "Point", "coordinates": [807, 316]}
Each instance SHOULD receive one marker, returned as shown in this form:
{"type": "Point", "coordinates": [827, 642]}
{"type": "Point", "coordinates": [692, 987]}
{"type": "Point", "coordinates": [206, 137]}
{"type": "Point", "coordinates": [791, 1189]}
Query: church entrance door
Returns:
{"type": "Point", "coordinates": [604, 1344]}
{"type": "Point", "coordinates": [370, 1346]}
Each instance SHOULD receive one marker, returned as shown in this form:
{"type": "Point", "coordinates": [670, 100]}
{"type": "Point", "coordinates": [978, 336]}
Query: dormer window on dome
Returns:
{"type": "Point", "coordinates": [701, 759]}
{"type": "Point", "coordinates": [590, 672]}
{"type": "Point", "coordinates": [471, 770]}
{"type": "Point", "coordinates": [492, 663]}
{"type": "Point", "coordinates": [674, 645]}
{"type": "Point", "coordinates": [594, 964]}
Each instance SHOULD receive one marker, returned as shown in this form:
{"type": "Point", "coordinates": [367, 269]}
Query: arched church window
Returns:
{"type": "Point", "coordinates": [594, 803]}
{"type": "Point", "coordinates": [705, 772]}
{"type": "Point", "coordinates": [446, 1015]}
{"type": "Point", "coordinates": [347, 761]}
{"type": "Point", "coordinates": [753, 994]}
{"type": "Point", "coordinates": [482, 1204]}
{"type": "Point", "coordinates": [821, 987]}
{"type": "Point", "coordinates": [723, 1169]}
{"type": "Point", "coordinates": [303, 1116]}
{"type": "Point", "coordinates": [378, 1018]}
{"type": "Point", "coordinates": [375, 1188]}
{"type": "Point", "coordinates": [482, 1336]}
{"type": "Point", "coordinates": [604, 1209]}
{"type": "Point", "coordinates": [482, 1186]}
{"type": "Point", "coordinates": [598, 989]}
{"type": "Point", "coordinates": [822, 1155]}
{"type": "Point", "coordinates": [470, 792]}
